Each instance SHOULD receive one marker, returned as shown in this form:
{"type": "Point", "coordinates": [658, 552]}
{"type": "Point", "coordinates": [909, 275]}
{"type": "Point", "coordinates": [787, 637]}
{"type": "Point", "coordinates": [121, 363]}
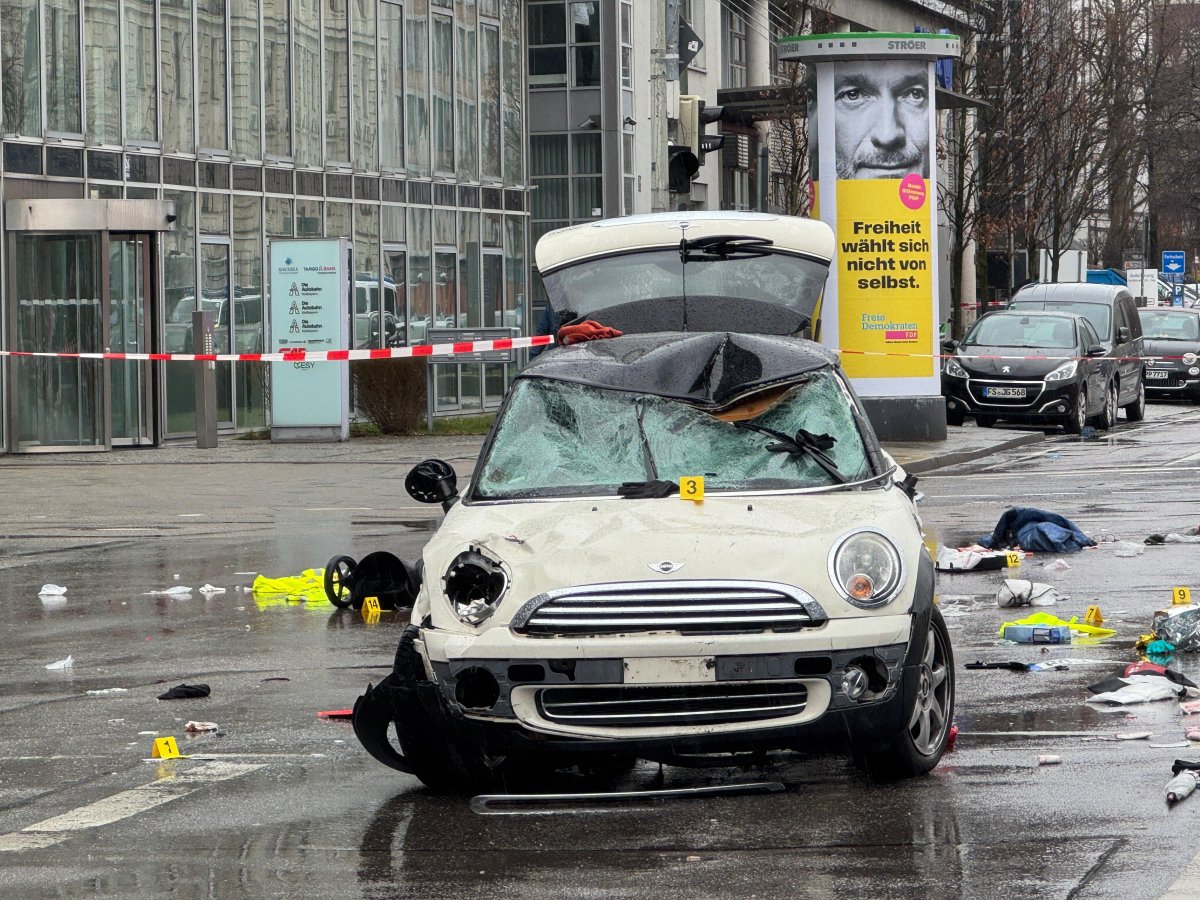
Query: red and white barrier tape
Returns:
{"type": "Point", "coordinates": [301, 355]}
{"type": "Point", "coordinates": [454, 349]}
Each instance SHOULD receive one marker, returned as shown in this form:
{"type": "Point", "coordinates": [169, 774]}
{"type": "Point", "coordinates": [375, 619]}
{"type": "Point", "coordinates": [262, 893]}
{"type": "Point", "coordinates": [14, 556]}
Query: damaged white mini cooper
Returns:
{"type": "Point", "coordinates": [681, 544]}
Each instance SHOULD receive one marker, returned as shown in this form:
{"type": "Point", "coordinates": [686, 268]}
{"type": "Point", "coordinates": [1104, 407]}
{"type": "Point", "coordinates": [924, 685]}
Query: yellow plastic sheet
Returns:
{"type": "Point", "coordinates": [308, 586]}
{"type": "Point", "coordinates": [1082, 628]}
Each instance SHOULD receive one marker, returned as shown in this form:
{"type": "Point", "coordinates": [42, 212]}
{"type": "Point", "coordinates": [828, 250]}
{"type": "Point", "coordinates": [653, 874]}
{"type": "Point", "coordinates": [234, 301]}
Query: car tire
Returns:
{"type": "Point", "coordinates": [919, 747]}
{"type": "Point", "coordinates": [985, 421]}
{"type": "Point", "coordinates": [1136, 411]}
{"type": "Point", "coordinates": [955, 417]}
{"type": "Point", "coordinates": [424, 731]}
{"type": "Point", "coordinates": [1106, 419]}
{"type": "Point", "coordinates": [1074, 421]}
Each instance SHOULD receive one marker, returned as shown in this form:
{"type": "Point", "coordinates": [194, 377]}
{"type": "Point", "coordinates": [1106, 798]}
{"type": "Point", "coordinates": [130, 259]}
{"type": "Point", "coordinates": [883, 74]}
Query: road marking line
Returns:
{"type": "Point", "coordinates": [122, 805]}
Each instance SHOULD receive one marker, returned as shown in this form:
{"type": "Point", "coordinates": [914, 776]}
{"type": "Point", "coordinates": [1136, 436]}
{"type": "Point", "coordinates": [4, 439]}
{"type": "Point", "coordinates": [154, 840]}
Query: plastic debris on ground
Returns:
{"type": "Point", "coordinates": [309, 586]}
{"type": "Point", "coordinates": [103, 692]}
{"type": "Point", "coordinates": [200, 727]}
{"type": "Point", "coordinates": [1036, 530]}
{"type": "Point", "coordinates": [52, 590]}
{"type": "Point", "coordinates": [1143, 682]}
{"type": "Point", "coordinates": [956, 605]}
{"type": "Point", "coordinates": [1128, 548]}
{"type": "Point", "coordinates": [1050, 665]}
{"type": "Point", "coordinates": [209, 590]}
{"type": "Point", "coordinates": [1043, 628]}
{"type": "Point", "coordinates": [972, 559]}
{"type": "Point", "coordinates": [177, 591]}
{"type": "Point", "coordinates": [1058, 565]}
{"type": "Point", "coordinates": [186, 692]}
{"type": "Point", "coordinates": [62, 663]}
{"type": "Point", "coordinates": [335, 714]}
{"type": "Point", "coordinates": [1180, 625]}
{"type": "Point", "coordinates": [1019, 592]}
{"type": "Point", "coordinates": [1187, 536]}
{"type": "Point", "coordinates": [1048, 759]}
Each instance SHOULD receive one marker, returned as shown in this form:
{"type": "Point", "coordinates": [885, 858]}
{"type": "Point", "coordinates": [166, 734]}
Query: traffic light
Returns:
{"type": "Point", "coordinates": [691, 143]}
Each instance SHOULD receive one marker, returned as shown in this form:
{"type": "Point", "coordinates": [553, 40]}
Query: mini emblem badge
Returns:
{"type": "Point", "coordinates": [666, 567]}
{"type": "Point", "coordinates": [1005, 369]}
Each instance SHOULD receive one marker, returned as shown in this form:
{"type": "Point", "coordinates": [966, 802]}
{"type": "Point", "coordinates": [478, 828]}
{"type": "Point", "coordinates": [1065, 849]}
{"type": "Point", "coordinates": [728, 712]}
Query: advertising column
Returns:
{"type": "Point", "coordinates": [872, 128]}
{"type": "Point", "coordinates": [310, 401]}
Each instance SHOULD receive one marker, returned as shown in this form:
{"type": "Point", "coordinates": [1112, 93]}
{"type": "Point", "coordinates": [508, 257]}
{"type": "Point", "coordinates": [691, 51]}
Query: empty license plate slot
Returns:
{"type": "Point", "coordinates": [671, 670]}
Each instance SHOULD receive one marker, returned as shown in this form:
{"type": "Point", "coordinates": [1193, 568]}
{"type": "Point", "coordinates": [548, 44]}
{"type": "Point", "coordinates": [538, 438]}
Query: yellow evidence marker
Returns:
{"type": "Point", "coordinates": [1181, 596]}
{"type": "Point", "coordinates": [165, 748]}
{"type": "Point", "coordinates": [691, 487]}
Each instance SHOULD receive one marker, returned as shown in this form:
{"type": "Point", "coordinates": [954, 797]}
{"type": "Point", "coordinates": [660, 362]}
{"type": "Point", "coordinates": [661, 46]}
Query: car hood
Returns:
{"type": "Point", "coordinates": [1159, 347]}
{"type": "Point", "coordinates": [1017, 367]}
{"type": "Point", "coordinates": [545, 545]}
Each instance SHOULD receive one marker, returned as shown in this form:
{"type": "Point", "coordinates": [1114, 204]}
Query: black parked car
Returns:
{"type": "Point", "coordinates": [1111, 311]}
{"type": "Point", "coordinates": [1039, 367]}
{"type": "Point", "coordinates": [1173, 335]}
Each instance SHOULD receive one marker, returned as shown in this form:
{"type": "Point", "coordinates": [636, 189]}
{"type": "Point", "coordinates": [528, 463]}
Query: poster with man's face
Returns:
{"type": "Point", "coordinates": [881, 118]}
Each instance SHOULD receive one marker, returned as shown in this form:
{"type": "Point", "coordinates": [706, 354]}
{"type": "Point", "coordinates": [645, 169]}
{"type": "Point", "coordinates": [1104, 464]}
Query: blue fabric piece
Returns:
{"type": "Point", "coordinates": [1036, 530]}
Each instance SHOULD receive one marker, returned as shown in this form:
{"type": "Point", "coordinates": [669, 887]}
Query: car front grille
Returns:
{"type": "Point", "coordinates": [689, 607]}
{"type": "Point", "coordinates": [630, 706]}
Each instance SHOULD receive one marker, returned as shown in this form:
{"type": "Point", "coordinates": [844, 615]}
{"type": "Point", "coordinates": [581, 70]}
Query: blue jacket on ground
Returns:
{"type": "Point", "coordinates": [1036, 529]}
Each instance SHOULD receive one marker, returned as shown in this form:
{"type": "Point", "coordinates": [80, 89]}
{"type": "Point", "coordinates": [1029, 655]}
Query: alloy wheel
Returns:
{"type": "Point", "coordinates": [928, 725]}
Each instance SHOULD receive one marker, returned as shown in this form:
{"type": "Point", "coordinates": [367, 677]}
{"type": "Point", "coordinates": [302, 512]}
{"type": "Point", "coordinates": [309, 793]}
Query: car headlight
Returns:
{"type": "Point", "coordinates": [474, 585]}
{"type": "Point", "coordinates": [954, 368]}
{"type": "Point", "coordinates": [1064, 372]}
{"type": "Point", "coordinates": [866, 570]}
{"type": "Point", "coordinates": [1189, 359]}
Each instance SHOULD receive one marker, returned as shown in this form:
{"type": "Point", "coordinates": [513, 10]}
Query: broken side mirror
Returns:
{"type": "Point", "coordinates": [432, 481]}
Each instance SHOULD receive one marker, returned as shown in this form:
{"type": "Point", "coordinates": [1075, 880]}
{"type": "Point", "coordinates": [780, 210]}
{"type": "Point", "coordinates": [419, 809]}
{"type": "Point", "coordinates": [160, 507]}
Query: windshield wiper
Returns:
{"type": "Point", "coordinates": [723, 246]}
{"type": "Point", "coordinates": [804, 442]}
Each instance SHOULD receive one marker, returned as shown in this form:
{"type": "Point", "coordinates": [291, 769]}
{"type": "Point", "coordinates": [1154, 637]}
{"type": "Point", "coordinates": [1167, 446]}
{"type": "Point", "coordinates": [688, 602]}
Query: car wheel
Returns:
{"type": "Point", "coordinates": [1074, 421]}
{"type": "Point", "coordinates": [955, 417]}
{"type": "Point", "coordinates": [917, 749]}
{"type": "Point", "coordinates": [424, 731]}
{"type": "Point", "coordinates": [1136, 411]}
{"type": "Point", "coordinates": [985, 421]}
{"type": "Point", "coordinates": [1107, 418]}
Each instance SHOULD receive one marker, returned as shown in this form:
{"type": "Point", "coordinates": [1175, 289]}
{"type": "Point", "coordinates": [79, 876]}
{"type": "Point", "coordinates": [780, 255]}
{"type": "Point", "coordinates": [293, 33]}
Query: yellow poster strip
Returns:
{"type": "Point", "coordinates": [885, 276]}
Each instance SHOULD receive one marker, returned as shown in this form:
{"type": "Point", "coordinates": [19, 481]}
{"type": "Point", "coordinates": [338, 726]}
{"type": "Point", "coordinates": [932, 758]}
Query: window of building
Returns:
{"type": "Point", "coordinates": [366, 86]}
{"type": "Point", "coordinates": [391, 76]}
{"type": "Point", "coordinates": [309, 120]}
{"type": "Point", "coordinates": [466, 83]}
{"type": "Point", "coordinates": [693, 14]}
{"type": "Point", "coordinates": [210, 20]}
{"type": "Point", "coordinates": [513, 93]}
{"type": "Point", "coordinates": [368, 299]}
{"type": "Point", "coordinates": [549, 168]}
{"type": "Point", "coordinates": [587, 182]}
{"type": "Point", "coordinates": [62, 67]}
{"type": "Point", "coordinates": [585, 43]}
{"type": "Point", "coordinates": [22, 68]}
{"type": "Point", "coordinates": [102, 61]}
{"type": "Point", "coordinates": [277, 79]}
{"type": "Point", "coordinates": [547, 45]}
{"type": "Point", "coordinates": [420, 273]}
{"type": "Point", "coordinates": [416, 75]}
{"type": "Point", "coordinates": [489, 103]}
{"type": "Point", "coordinates": [178, 80]}
{"type": "Point", "coordinates": [441, 73]}
{"type": "Point", "coordinates": [246, 78]}
{"type": "Point", "coordinates": [337, 75]}
{"type": "Point", "coordinates": [247, 319]}
{"type": "Point", "coordinates": [628, 180]}
{"type": "Point", "coordinates": [310, 216]}
{"type": "Point", "coordinates": [141, 81]}
{"type": "Point", "coordinates": [627, 45]}
{"type": "Point", "coordinates": [735, 48]}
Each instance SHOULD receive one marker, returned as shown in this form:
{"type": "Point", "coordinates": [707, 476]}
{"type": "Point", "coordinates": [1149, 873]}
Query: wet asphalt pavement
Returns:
{"type": "Point", "coordinates": [289, 805]}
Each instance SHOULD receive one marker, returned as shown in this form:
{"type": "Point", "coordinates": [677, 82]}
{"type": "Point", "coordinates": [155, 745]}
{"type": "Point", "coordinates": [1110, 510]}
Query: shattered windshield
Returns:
{"type": "Point", "coordinates": [763, 290]}
{"type": "Point", "coordinates": [562, 439]}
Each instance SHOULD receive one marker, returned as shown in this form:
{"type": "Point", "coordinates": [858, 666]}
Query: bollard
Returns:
{"type": "Point", "coordinates": [206, 380]}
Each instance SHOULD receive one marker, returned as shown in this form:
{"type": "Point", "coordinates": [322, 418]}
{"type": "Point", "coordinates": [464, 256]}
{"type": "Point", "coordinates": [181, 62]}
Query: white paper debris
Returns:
{"type": "Point", "coordinates": [200, 727]}
{"type": "Point", "coordinates": [209, 590]}
{"type": "Point", "coordinates": [62, 663]}
{"type": "Point", "coordinates": [105, 691]}
{"type": "Point", "coordinates": [52, 590]}
{"type": "Point", "coordinates": [177, 591]}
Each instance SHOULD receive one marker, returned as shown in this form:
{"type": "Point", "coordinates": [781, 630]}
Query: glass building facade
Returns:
{"type": "Point", "coordinates": [183, 135]}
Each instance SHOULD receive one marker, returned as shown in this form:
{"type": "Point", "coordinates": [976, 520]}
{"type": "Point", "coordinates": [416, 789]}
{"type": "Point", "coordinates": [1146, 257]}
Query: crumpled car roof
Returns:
{"type": "Point", "coordinates": [710, 369]}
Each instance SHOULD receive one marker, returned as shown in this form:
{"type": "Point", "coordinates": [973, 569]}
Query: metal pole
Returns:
{"type": "Point", "coordinates": [762, 177]}
{"type": "Point", "coordinates": [205, 380]}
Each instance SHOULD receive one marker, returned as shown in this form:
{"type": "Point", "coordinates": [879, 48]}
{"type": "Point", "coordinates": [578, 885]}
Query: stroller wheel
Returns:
{"type": "Point", "coordinates": [339, 581]}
